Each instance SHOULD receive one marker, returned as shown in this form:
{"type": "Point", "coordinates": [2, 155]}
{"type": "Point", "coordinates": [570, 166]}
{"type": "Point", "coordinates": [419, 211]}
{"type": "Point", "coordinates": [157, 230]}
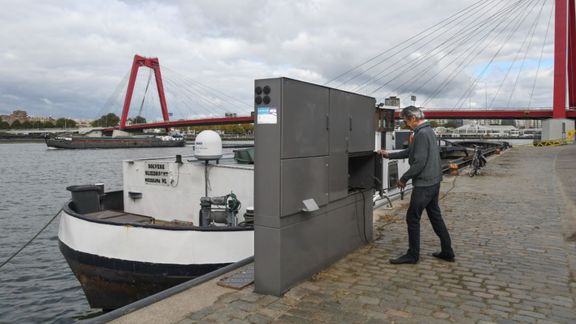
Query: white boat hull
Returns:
{"type": "Point", "coordinates": [118, 264]}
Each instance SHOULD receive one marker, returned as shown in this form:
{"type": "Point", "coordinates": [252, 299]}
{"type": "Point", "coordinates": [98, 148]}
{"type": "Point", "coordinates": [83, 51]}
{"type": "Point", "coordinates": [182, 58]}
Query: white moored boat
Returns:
{"type": "Point", "coordinates": [126, 245]}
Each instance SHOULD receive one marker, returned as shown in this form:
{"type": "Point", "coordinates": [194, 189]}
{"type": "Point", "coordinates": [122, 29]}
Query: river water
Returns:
{"type": "Point", "coordinates": [38, 286]}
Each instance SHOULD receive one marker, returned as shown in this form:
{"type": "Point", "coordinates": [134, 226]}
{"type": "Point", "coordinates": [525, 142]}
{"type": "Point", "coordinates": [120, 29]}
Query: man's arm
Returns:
{"type": "Point", "coordinates": [396, 155]}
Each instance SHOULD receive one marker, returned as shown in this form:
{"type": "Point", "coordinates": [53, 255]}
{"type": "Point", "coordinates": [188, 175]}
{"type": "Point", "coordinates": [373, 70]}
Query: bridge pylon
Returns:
{"type": "Point", "coordinates": [154, 64]}
{"type": "Point", "coordinates": [564, 71]}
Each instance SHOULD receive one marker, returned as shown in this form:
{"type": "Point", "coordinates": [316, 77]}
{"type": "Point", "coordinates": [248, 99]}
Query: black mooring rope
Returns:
{"type": "Point", "coordinates": [30, 241]}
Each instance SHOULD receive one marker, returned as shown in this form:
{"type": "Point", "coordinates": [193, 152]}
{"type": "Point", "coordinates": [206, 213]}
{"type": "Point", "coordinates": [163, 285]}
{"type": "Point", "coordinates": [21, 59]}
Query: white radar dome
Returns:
{"type": "Point", "coordinates": [208, 145]}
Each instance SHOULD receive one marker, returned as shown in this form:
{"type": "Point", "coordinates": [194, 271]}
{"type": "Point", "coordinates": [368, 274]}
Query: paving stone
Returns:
{"type": "Point", "coordinates": [512, 263]}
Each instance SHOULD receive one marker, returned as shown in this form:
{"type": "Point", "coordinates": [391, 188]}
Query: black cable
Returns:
{"type": "Point", "coordinates": [30, 241]}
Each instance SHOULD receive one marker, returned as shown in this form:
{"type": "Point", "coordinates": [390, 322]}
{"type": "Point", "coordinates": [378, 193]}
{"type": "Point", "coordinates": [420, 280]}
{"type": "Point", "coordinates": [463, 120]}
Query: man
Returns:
{"type": "Point", "coordinates": [426, 174]}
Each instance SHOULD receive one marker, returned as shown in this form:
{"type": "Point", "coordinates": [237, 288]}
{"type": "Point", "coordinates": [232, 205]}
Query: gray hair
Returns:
{"type": "Point", "coordinates": [412, 111]}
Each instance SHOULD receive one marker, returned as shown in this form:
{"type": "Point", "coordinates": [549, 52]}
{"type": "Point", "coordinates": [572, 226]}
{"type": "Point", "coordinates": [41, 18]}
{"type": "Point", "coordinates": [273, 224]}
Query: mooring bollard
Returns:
{"type": "Point", "coordinates": [453, 169]}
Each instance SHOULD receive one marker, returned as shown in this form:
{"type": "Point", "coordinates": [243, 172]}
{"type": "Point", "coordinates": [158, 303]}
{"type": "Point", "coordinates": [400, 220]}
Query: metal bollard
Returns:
{"type": "Point", "coordinates": [454, 169]}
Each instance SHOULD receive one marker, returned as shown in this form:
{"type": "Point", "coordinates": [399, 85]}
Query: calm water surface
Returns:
{"type": "Point", "coordinates": [38, 286]}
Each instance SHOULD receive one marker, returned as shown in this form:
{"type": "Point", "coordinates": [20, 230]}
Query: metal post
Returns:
{"type": "Point", "coordinates": [572, 54]}
{"type": "Point", "coordinates": [560, 48]}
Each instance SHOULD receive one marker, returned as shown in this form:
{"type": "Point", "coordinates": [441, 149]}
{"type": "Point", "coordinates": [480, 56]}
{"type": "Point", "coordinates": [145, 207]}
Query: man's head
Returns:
{"type": "Point", "coordinates": [412, 116]}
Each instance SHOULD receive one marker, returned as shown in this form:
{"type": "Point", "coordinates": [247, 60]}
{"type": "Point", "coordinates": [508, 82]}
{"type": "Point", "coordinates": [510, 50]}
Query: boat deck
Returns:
{"type": "Point", "coordinates": [121, 217]}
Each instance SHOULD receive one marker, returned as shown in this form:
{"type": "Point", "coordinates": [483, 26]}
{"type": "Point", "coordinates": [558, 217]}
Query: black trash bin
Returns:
{"type": "Point", "coordinates": [86, 198]}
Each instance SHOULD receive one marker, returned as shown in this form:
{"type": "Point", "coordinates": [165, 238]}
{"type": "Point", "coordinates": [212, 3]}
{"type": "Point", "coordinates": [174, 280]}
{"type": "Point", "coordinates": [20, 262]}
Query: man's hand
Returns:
{"type": "Point", "coordinates": [401, 184]}
{"type": "Point", "coordinates": [383, 153]}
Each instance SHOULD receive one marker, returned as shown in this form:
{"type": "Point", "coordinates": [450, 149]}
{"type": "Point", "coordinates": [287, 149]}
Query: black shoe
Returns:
{"type": "Point", "coordinates": [405, 259]}
{"type": "Point", "coordinates": [444, 256]}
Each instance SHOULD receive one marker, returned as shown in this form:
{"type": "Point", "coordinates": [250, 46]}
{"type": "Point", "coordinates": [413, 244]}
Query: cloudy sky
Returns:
{"type": "Point", "coordinates": [70, 58]}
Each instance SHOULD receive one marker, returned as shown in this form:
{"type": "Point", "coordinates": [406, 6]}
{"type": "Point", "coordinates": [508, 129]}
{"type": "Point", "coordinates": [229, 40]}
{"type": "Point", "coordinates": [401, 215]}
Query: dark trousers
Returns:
{"type": "Point", "coordinates": [426, 198]}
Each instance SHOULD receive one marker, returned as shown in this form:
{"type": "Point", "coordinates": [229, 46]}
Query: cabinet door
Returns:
{"type": "Point", "coordinates": [361, 124]}
{"type": "Point", "coordinates": [305, 110]}
{"type": "Point", "coordinates": [303, 179]}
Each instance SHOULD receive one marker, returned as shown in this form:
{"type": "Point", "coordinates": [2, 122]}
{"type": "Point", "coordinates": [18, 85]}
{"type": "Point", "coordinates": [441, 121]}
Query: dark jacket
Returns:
{"type": "Point", "coordinates": [423, 156]}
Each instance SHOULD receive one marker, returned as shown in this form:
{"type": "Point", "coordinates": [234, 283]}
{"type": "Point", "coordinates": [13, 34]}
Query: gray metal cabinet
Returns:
{"type": "Point", "coordinates": [339, 136]}
{"type": "Point", "coordinates": [305, 110]}
{"type": "Point", "coordinates": [361, 110]}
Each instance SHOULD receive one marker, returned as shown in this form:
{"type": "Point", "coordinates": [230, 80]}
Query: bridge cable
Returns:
{"type": "Point", "coordinates": [406, 47]}
{"type": "Point", "coordinates": [462, 54]}
{"type": "Point", "coordinates": [469, 8]}
{"type": "Point", "coordinates": [541, 55]}
{"type": "Point", "coordinates": [471, 52]}
{"type": "Point", "coordinates": [474, 53]}
{"type": "Point", "coordinates": [533, 29]}
{"type": "Point", "coordinates": [191, 96]}
{"type": "Point", "coordinates": [466, 94]}
{"type": "Point", "coordinates": [464, 38]}
{"type": "Point", "coordinates": [207, 104]}
{"type": "Point", "coordinates": [197, 94]}
{"type": "Point", "coordinates": [122, 85]}
{"type": "Point", "coordinates": [525, 53]}
{"type": "Point", "coordinates": [145, 92]}
{"type": "Point", "coordinates": [422, 58]}
{"type": "Point", "coordinates": [213, 90]}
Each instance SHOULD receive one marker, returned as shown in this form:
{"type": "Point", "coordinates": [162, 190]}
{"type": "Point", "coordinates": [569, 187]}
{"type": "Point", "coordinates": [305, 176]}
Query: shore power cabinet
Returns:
{"type": "Point", "coordinates": [314, 179]}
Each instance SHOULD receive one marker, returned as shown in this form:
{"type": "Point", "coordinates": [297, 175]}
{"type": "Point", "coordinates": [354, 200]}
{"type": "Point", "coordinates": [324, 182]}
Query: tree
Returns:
{"type": "Point", "coordinates": [138, 120]}
{"type": "Point", "coordinates": [47, 124]}
{"type": "Point", "coordinates": [451, 124]}
{"type": "Point", "coordinates": [4, 125]}
{"type": "Point", "coordinates": [109, 120]}
{"type": "Point", "coordinates": [65, 123]}
{"type": "Point", "coordinates": [27, 124]}
{"type": "Point", "coordinates": [434, 124]}
{"type": "Point", "coordinates": [16, 124]}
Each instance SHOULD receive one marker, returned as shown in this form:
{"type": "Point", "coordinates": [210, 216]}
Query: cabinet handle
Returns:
{"type": "Point", "coordinates": [350, 118]}
{"type": "Point", "coordinates": [327, 122]}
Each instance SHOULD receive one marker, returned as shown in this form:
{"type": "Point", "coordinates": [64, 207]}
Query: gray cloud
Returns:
{"type": "Point", "coordinates": [66, 58]}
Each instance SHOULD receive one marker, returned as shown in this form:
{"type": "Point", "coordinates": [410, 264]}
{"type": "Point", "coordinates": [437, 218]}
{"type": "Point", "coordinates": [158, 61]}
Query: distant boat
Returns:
{"type": "Point", "coordinates": [96, 140]}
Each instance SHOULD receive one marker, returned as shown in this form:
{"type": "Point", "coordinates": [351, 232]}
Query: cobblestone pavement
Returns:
{"type": "Point", "coordinates": [512, 264]}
